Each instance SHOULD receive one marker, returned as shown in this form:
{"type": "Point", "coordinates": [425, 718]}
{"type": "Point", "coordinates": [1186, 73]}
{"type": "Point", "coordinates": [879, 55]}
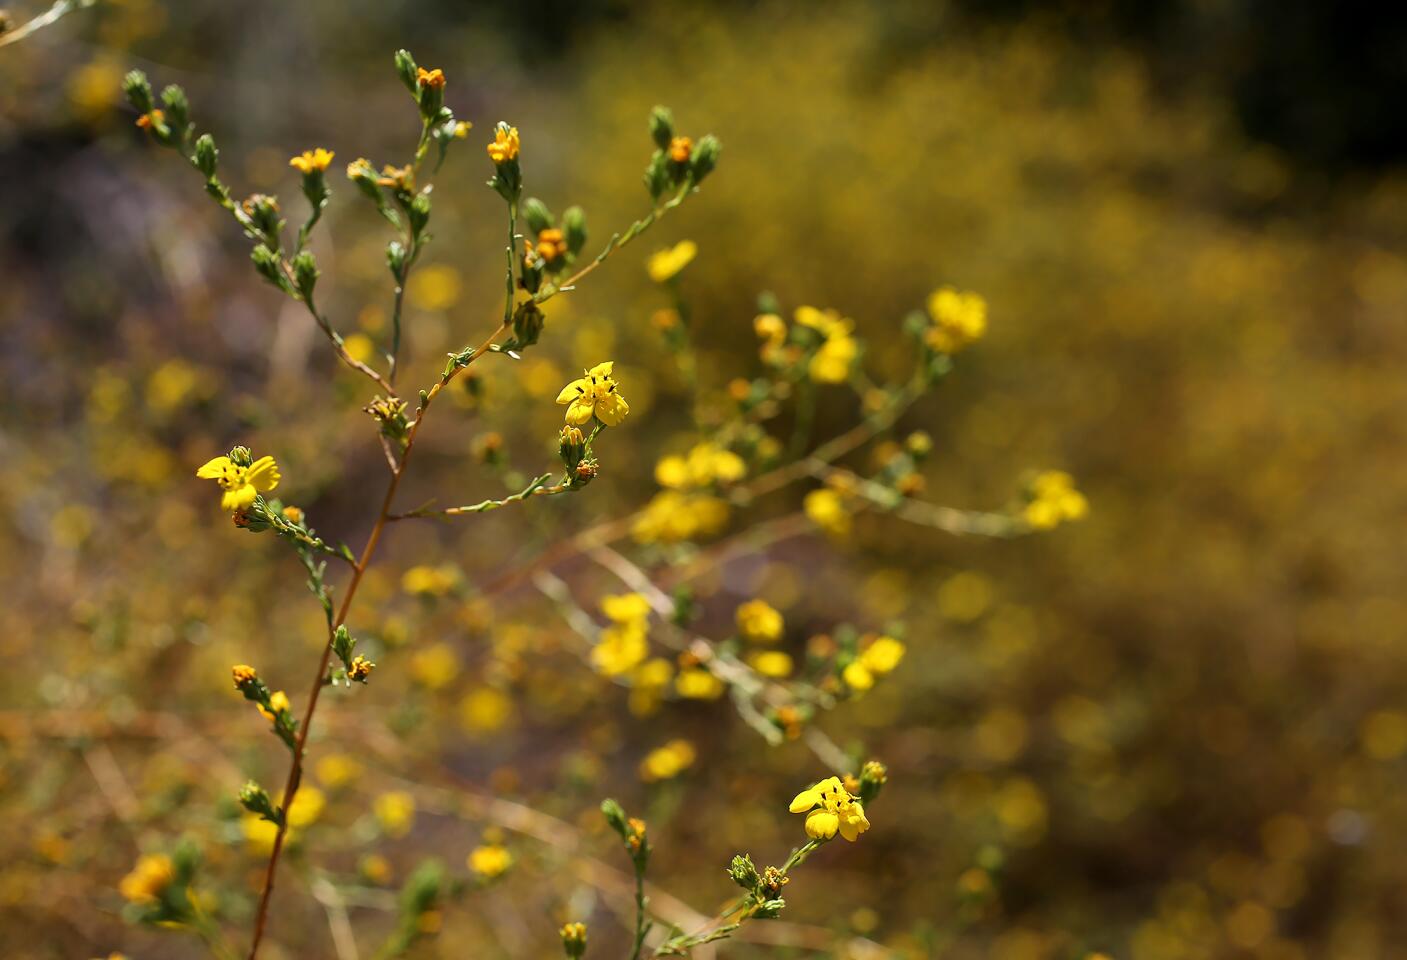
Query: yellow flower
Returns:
{"type": "Point", "coordinates": [243, 674]}
{"type": "Point", "coordinates": [151, 875]}
{"type": "Point", "coordinates": [430, 78]}
{"type": "Point", "coordinates": [672, 516]}
{"type": "Point", "coordinates": [278, 703]}
{"type": "Point", "coordinates": [335, 769]}
{"type": "Point", "coordinates": [831, 363]}
{"type": "Point", "coordinates": [620, 648]}
{"type": "Point", "coordinates": [680, 149]}
{"type": "Point", "coordinates": [707, 463]}
{"type": "Point", "coordinates": [626, 608]}
{"type": "Point", "coordinates": [857, 676]}
{"type": "Point", "coordinates": [665, 264]}
{"type": "Point", "coordinates": [826, 509]}
{"type": "Point", "coordinates": [958, 319]}
{"type": "Point", "coordinates": [596, 393]}
{"type": "Point", "coordinates": [240, 483]}
{"type": "Point", "coordinates": [1054, 499]}
{"type": "Point", "coordinates": [648, 682]}
{"type": "Point", "coordinates": [668, 761]}
{"type": "Point", "coordinates": [883, 655]}
{"type": "Point", "coordinates": [505, 145]}
{"type": "Point", "coordinates": [310, 160]}
{"type": "Point", "coordinates": [485, 709]}
{"type": "Point", "coordinates": [771, 663]}
{"type": "Point", "coordinates": [435, 666]}
{"type": "Point", "coordinates": [829, 808]}
{"type": "Point", "coordinates": [489, 860]}
{"type": "Point", "coordinates": [395, 811]}
{"type": "Point", "coordinates": [771, 328]}
{"type": "Point", "coordinates": [306, 807]}
{"type": "Point", "coordinates": [696, 683]}
{"type": "Point", "coordinates": [430, 581]}
{"type": "Point", "coordinates": [759, 622]}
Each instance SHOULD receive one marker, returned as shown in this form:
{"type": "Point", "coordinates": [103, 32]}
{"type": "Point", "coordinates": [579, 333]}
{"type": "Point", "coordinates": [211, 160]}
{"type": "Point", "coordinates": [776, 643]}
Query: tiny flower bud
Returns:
{"type": "Point", "coordinates": [138, 90]}
{"type": "Point", "coordinates": [266, 262]}
{"type": "Point", "coordinates": [406, 69]}
{"type": "Point", "coordinates": [574, 229]}
{"type": "Point", "coordinates": [743, 872]}
{"type": "Point", "coordinates": [395, 257]}
{"type": "Point", "coordinates": [419, 212]}
{"type": "Point", "coordinates": [363, 174]}
{"type": "Point", "coordinates": [769, 909]}
{"type": "Point", "coordinates": [536, 215]}
{"type": "Point", "coordinates": [705, 157]}
{"type": "Point", "coordinates": [571, 446]}
{"type": "Point", "coordinates": [244, 675]}
{"type": "Point", "coordinates": [207, 157]}
{"type": "Point", "coordinates": [305, 274]}
{"type": "Point", "coordinates": [661, 126]}
{"type": "Point", "coordinates": [177, 107]}
{"type": "Point", "coordinates": [360, 669]}
{"type": "Point", "coordinates": [873, 776]}
{"type": "Point", "coordinates": [255, 799]}
{"type": "Point", "coordinates": [615, 816]}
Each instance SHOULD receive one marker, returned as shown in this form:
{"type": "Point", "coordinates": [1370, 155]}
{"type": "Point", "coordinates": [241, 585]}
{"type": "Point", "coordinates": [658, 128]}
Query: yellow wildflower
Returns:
{"type": "Point", "coordinates": [838, 350]}
{"type": "Point", "coordinates": [672, 516]}
{"type": "Point", "coordinates": [430, 581]}
{"type": "Point", "coordinates": [668, 761]}
{"type": "Point", "coordinates": [595, 394]}
{"type": "Point", "coordinates": [706, 463]}
{"type": "Point", "coordinates": [505, 145]}
{"type": "Point", "coordinates": [626, 608]}
{"type": "Point", "coordinates": [278, 703]}
{"type": "Point", "coordinates": [360, 668]}
{"type": "Point", "coordinates": [336, 769]}
{"type": "Point", "coordinates": [665, 264]}
{"type": "Point", "coordinates": [243, 674]}
{"type": "Point", "coordinates": [771, 663]}
{"type": "Point", "coordinates": [883, 655]}
{"type": "Point", "coordinates": [152, 874]}
{"type": "Point", "coordinates": [648, 682]}
{"type": "Point", "coordinates": [311, 160]}
{"type": "Point", "coordinates": [435, 666]}
{"type": "Point", "coordinates": [826, 509]}
{"type": "Point", "coordinates": [697, 683]}
{"type": "Point", "coordinates": [485, 709]}
{"type": "Point", "coordinates": [489, 860]}
{"type": "Point", "coordinates": [857, 676]}
{"type": "Point", "coordinates": [829, 808]}
{"type": "Point", "coordinates": [241, 483]}
{"type": "Point", "coordinates": [1054, 499]}
{"type": "Point", "coordinates": [759, 622]}
{"type": "Point", "coordinates": [958, 319]}
{"type": "Point", "coordinates": [430, 78]}
{"type": "Point", "coordinates": [307, 806]}
{"type": "Point", "coordinates": [395, 811]}
{"type": "Point", "coordinates": [620, 648]}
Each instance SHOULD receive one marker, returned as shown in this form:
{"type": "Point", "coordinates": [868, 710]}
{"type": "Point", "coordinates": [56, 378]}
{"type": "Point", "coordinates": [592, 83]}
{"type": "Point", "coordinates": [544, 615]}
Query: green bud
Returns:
{"type": "Point", "coordinates": [705, 157]}
{"type": "Point", "coordinates": [873, 776]}
{"type": "Point", "coordinates": [528, 321]}
{"type": "Point", "coordinates": [395, 257]}
{"type": "Point", "coordinates": [241, 456]}
{"type": "Point", "coordinates": [615, 816]}
{"type": "Point", "coordinates": [661, 127]}
{"type": "Point", "coordinates": [263, 211]}
{"type": "Point", "coordinates": [361, 173]}
{"type": "Point", "coordinates": [422, 888]}
{"type": "Point", "coordinates": [574, 229]}
{"type": "Point", "coordinates": [266, 262]}
{"type": "Point", "coordinates": [405, 69]}
{"type": "Point", "coordinates": [769, 909]}
{"type": "Point", "coordinates": [138, 90]}
{"type": "Point", "coordinates": [571, 446]}
{"type": "Point", "coordinates": [255, 799]}
{"type": "Point", "coordinates": [207, 156]}
{"type": "Point", "coordinates": [305, 274]}
{"type": "Point", "coordinates": [743, 872]}
{"type": "Point", "coordinates": [657, 177]}
{"type": "Point", "coordinates": [342, 644]}
{"type": "Point", "coordinates": [419, 212]}
{"type": "Point", "coordinates": [178, 108]}
{"type": "Point", "coordinates": [536, 215]}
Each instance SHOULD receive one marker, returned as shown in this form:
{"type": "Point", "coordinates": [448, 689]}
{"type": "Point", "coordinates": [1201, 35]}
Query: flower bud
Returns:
{"type": "Point", "coordinates": [266, 262]}
{"type": "Point", "coordinates": [705, 157]}
{"type": "Point", "coordinates": [769, 909]}
{"type": "Point", "coordinates": [574, 229]}
{"type": "Point", "coordinates": [305, 274]}
{"type": "Point", "coordinates": [360, 669]}
{"type": "Point", "coordinates": [571, 446]}
{"type": "Point", "coordinates": [138, 90]}
{"type": "Point", "coordinates": [406, 70]}
{"type": "Point", "coordinates": [363, 174]}
{"type": "Point", "coordinates": [661, 126]}
{"type": "Point", "coordinates": [536, 215]}
{"type": "Point", "coordinates": [615, 816]}
{"type": "Point", "coordinates": [657, 175]}
{"type": "Point", "coordinates": [177, 108]}
{"type": "Point", "coordinates": [574, 939]}
{"type": "Point", "coordinates": [395, 256]}
{"type": "Point", "coordinates": [263, 211]}
{"type": "Point", "coordinates": [873, 776]}
{"type": "Point", "coordinates": [743, 872]}
{"type": "Point", "coordinates": [419, 212]}
{"type": "Point", "coordinates": [242, 456]}
{"type": "Point", "coordinates": [255, 799]}
{"type": "Point", "coordinates": [207, 156]}
{"type": "Point", "coordinates": [528, 321]}
{"type": "Point", "coordinates": [342, 644]}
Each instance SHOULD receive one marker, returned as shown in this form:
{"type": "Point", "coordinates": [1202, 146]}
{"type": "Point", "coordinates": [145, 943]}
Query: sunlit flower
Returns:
{"type": "Point", "coordinates": [430, 581]}
{"type": "Point", "coordinates": [596, 393]}
{"type": "Point", "coordinates": [310, 160]}
{"type": "Point", "coordinates": [672, 516]}
{"type": "Point", "coordinates": [680, 149]}
{"type": "Point", "coordinates": [882, 655]}
{"type": "Point", "coordinates": [435, 666]}
{"type": "Point", "coordinates": [705, 464]}
{"type": "Point", "coordinates": [1054, 500]}
{"type": "Point", "coordinates": [759, 622]}
{"type": "Point", "coordinates": [505, 145]}
{"type": "Point", "coordinates": [151, 875]}
{"type": "Point", "coordinates": [668, 761]}
{"type": "Point", "coordinates": [626, 607]}
{"type": "Point", "coordinates": [620, 648]}
{"type": "Point", "coordinates": [430, 78]}
{"type": "Point", "coordinates": [395, 812]}
{"type": "Point", "coordinates": [665, 264]}
{"type": "Point", "coordinates": [958, 319]}
{"type": "Point", "coordinates": [829, 808]}
{"type": "Point", "coordinates": [826, 509]}
{"type": "Point", "coordinates": [240, 483]}
{"type": "Point", "coordinates": [489, 860]}
{"type": "Point", "coordinates": [838, 350]}
{"type": "Point", "coordinates": [771, 663]}
{"type": "Point", "coordinates": [337, 769]}
{"type": "Point", "coordinates": [278, 703]}
{"type": "Point", "coordinates": [697, 683]}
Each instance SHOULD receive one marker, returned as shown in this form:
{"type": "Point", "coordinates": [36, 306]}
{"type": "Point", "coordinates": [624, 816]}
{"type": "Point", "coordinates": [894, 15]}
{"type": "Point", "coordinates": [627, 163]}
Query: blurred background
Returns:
{"type": "Point", "coordinates": [1174, 729]}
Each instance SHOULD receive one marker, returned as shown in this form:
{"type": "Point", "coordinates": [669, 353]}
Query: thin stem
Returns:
{"type": "Point", "coordinates": [537, 488]}
{"type": "Point", "coordinates": [44, 19]}
{"type": "Point", "coordinates": [640, 927]}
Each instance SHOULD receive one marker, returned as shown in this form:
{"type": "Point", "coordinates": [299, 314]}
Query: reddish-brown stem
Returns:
{"type": "Point", "coordinates": [295, 770]}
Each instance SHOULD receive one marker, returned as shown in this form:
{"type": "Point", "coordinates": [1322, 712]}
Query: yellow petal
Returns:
{"type": "Point", "coordinates": [805, 800]}
{"type": "Point", "coordinates": [601, 370]}
{"type": "Point", "coordinates": [214, 469]}
{"type": "Point", "coordinates": [821, 824]}
{"type": "Point", "coordinates": [580, 412]}
{"type": "Point", "coordinates": [611, 410]}
{"type": "Point", "coordinates": [263, 474]}
{"type": "Point", "coordinates": [572, 390]}
{"type": "Point", "coordinates": [237, 499]}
